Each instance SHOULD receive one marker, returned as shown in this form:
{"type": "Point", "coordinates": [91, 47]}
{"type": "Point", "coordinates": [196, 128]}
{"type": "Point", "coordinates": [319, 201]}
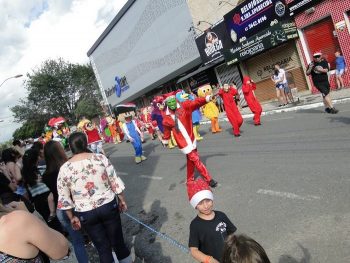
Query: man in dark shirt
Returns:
{"type": "Point", "coordinates": [318, 70]}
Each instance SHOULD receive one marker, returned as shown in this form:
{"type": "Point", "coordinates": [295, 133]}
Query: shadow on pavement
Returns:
{"type": "Point", "coordinates": [345, 120]}
{"type": "Point", "coordinates": [145, 245]}
{"type": "Point", "coordinates": [139, 239]}
{"type": "Point", "coordinates": [311, 111]}
{"type": "Point", "coordinates": [289, 259]}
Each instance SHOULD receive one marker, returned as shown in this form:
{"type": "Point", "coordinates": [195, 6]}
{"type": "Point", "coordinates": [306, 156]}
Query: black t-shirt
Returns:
{"type": "Point", "coordinates": [318, 77]}
{"type": "Point", "coordinates": [209, 235]}
{"type": "Point", "coordinates": [4, 184]}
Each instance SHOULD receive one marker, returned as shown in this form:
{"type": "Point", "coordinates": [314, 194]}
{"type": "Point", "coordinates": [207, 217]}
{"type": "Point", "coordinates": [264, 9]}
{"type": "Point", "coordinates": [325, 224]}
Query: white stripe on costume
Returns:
{"type": "Point", "coordinates": [190, 145]}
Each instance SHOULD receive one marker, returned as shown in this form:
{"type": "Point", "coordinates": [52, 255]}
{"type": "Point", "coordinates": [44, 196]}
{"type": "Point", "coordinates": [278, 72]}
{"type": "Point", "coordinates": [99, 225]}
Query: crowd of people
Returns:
{"type": "Point", "coordinates": [45, 196]}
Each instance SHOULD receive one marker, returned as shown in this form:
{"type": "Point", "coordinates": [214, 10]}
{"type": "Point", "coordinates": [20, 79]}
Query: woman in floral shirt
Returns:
{"type": "Point", "coordinates": [89, 184]}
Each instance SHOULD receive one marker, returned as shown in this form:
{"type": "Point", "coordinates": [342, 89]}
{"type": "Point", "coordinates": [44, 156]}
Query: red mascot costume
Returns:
{"type": "Point", "coordinates": [178, 120]}
{"type": "Point", "coordinates": [228, 95]}
{"type": "Point", "coordinates": [248, 90]}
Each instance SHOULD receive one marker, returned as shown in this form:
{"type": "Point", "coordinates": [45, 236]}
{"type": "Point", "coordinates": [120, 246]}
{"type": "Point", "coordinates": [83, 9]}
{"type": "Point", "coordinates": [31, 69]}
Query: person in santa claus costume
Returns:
{"type": "Point", "coordinates": [228, 95]}
{"type": "Point", "coordinates": [248, 91]}
{"type": "Point", "coordinates": [94, 138]}
{"type": "Point", "coordinates": [178, 119]}
{"type": "Point", "coordinates": [147, 121]}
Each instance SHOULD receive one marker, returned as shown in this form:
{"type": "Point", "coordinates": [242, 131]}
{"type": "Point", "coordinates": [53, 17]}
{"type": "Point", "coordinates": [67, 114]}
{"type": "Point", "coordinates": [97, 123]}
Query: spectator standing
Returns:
{"type": "Point", "coordinates": [243, 249]}
{"type": "Point", "coordinates": [340, 69]}
{"type": "Point", "coordinates": [209, 229]}
{"type": "Point", "coordinates": [89, 184]}
{"type": "Point", "coordinates": [55, 157]}
{"type": "Point", "coordinates": [38, 192]}
{"type": "Point", "coordinates": [10, 157]}
{"type": "Point", "coordinates": [318, 69]}
{"type": "Point", "coordinates": [280, 80]}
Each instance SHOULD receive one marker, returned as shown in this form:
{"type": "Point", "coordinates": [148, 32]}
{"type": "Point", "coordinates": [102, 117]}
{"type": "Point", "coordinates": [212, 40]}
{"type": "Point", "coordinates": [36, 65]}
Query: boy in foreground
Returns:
{"type": "Point", "coordinates": [210, 228]}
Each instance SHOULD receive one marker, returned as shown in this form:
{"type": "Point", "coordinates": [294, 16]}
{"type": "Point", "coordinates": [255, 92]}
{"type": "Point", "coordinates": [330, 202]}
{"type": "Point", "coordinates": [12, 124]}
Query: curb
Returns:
{"type": "Point", "coordinates": [290, 109]}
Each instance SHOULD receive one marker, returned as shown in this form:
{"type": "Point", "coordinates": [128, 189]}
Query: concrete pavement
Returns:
{"type": "Point", "coordinates": [285, 183]}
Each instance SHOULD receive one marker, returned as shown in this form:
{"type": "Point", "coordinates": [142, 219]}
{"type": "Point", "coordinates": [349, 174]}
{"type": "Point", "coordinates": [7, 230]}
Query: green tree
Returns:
{"type": "Point", "coordinates": [88, 107]}
{"type": "Point", "coordinates": [55, 89]}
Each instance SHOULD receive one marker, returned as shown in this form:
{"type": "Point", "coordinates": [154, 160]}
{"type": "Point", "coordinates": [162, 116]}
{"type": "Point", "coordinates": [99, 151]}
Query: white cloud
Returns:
{"type": "Point", "coordinates": [32, 31]}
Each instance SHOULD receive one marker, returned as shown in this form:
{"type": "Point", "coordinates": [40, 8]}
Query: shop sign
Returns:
{"type": "Point", "coordinates": [340, 26]}
{"type": "Point", "coordinates": [121, 85]}
{"type": "Point", "coordinates": [212, 42]}
{"type": "Point", "coordinates": [262, 41]}
{"type": "Point", "coordinates": [253, 16]}
{"type": "Point", "coordinates": [298, 6]}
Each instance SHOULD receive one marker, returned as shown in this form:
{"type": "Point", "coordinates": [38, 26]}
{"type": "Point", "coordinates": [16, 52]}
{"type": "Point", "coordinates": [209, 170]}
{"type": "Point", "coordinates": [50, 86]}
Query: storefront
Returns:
{"type": "Point", "coordinates": [214, 69]}
{"type": "Point", "coordinates": [324, 26]}
{"type": "Point", "coordinates": [260, 69]}
{"type": "Point", "coordinates": [263, 35]}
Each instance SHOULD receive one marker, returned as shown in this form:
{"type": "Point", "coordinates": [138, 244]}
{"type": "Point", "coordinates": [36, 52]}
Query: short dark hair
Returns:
{"type": "Point", "coordinates": [16, 142]}
{"type": "Point", "coordinates": [243, 249]}
{"type": "Point", "coordinates": [10, 155]}
{"type": "Point", "coordinates": [78, 143]}
{"type": "Point", "coordinates": [38, 145]}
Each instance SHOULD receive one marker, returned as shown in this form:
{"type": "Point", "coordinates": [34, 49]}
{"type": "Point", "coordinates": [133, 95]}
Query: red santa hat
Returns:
{"type": "Point", "coordinates": [169, 95]}
{"type": "Point", "coordinates": [197, 191]}
{"type": "Point", "coordinates": [317, 53]}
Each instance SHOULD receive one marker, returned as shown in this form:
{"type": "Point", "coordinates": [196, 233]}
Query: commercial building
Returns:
{"type": "Point", "coordinates": [146, 46]}
{"type": "Point", "coordinates": [323, 25]}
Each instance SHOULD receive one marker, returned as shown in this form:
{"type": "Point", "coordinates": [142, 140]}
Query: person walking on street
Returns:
{"type": "Point", "coordinates": [340, 69]}
{"type": "Point", "coordinates": [318, 69]}
{"type": "Point", "coordinates": [228, 95]}
{"type": "Point", "coordinates": [248, 91]}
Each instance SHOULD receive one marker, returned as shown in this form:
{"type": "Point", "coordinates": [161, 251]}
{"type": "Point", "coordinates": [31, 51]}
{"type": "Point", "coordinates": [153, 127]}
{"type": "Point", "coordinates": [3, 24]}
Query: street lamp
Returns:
{"type": "Point", "coordinates": [226, 3]}
{"type": "Point", "coordinates": [13, 77]}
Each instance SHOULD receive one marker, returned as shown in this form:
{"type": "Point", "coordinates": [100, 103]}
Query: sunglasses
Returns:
{"type": "Point", "coordinates": [318, 56]}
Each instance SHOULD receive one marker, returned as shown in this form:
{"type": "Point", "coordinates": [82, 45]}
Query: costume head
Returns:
{"type": "Point", "coordinates": [197, 191]}
{"type": "Point", "coordinates": [226, 87]}
{"type": "Point", "coordinates": [110, 120]}
{"type": "Point", "coordinates": [171, 102]}
{"type": "Point", "coordinates": [317, 55]}
{"type": "Point", "coordinates": [246, 80]}
{"type": "Point", "coordinates": [204, 91]}
{"type": "Point", "coordinates": [157, 103]}
{"type": "Point", "coordinates": [88, 126]}
{"type": "Point", "coordinates": [181, 96]}
{"type": "Point", "coordinates": [126, 116]}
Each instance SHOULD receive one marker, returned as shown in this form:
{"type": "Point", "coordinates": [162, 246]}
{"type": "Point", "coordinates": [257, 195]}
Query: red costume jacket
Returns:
{"type": "Point", "coordinates": [183, 134]}
{"type": "Point", "coordinates": [232, 112]}
{"type": "Point", "coordinates": [93, 136]}
{"type": "Point", "coordinates": [250, 98]}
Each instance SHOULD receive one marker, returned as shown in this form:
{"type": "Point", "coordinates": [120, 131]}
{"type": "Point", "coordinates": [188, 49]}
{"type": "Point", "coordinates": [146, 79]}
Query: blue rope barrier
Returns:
{"type": "Point", "coordinates": [167, 238]}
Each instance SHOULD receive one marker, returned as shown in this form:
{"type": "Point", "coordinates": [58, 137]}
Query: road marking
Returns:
{"type": "Point", "coordinates": [288, 195]}
{"type": "Point", "coordinates": [287, 118]}
{"type": "Point", "coordinates": [151, 177]}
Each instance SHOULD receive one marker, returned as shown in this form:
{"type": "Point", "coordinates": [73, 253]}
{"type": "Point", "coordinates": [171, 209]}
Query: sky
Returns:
{"type": "Point", "coordinates": [32, 31]}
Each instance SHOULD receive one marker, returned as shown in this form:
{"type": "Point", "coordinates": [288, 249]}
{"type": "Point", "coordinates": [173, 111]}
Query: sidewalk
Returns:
{"type": "Point", "coordinates": [306, 101]}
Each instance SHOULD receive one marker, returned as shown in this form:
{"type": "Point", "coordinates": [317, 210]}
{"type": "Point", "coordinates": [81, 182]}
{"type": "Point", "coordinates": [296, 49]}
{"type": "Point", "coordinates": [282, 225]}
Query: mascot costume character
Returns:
{"type": "Point", "coordinates": [94, 138]}
{"type": "Point", "coordinates": [228, 95]}
{"type": "Point", "coordinates": [248, 91]}
{"type": "Point", "coordinates": [133, 134]}
{"type": "Point", "coordinates": [48, 133]}
{"type": "Point", "coordinates": [157, 109]}
{"type": "Point", "coordinates": [210, 110]}
{"type": "Point", "coordinates": [147, 122]}
{"type": "Point", "coordinates": [178, 119]}
{"type": "Point", "coordinates": [106, 133]}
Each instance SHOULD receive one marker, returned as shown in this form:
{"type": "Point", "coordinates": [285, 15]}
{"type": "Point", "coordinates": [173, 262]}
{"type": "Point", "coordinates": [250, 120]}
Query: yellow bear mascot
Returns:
{"type": "Point", "coordinates": [210, 109]}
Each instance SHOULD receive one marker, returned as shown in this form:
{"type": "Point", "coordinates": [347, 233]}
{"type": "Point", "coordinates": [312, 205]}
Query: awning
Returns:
{"type": "Point", "coordinates": [200, 69]}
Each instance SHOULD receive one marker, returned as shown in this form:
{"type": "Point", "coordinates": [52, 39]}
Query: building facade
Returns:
{"type": "Point", "coordinates": [323, 25]}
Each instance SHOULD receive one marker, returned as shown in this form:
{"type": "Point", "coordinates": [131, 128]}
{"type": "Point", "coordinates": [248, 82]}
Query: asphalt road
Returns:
{"type": "Point", "coordinates": [285, 183]}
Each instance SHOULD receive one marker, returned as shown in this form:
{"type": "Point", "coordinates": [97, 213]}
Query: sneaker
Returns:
{"type": "Point", "coordinates": [213, 183]}
{"type": "Point", "coordinates": [257, 124]}
{"type": "Point", "coordinates": [138, 159]}
{"type": "Point", "coordinates": [143, 158]}
{"type": "Point", "coordinates": [237, 135]}
{"type": "Point", "coordinates": [334, 111]}
{"type": "Point", "coordinates": [280, 105]}
{"type": "Point", "coordinates": [328, 110]}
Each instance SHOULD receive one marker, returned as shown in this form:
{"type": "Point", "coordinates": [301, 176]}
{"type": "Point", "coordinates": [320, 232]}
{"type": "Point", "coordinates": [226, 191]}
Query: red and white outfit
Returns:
{"type": "Point", "coordinates": [248, 90]}
{"type": "Point", "coordinates": [147, 120]}
{"type": "Point", "coordinates": [180, 123]}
